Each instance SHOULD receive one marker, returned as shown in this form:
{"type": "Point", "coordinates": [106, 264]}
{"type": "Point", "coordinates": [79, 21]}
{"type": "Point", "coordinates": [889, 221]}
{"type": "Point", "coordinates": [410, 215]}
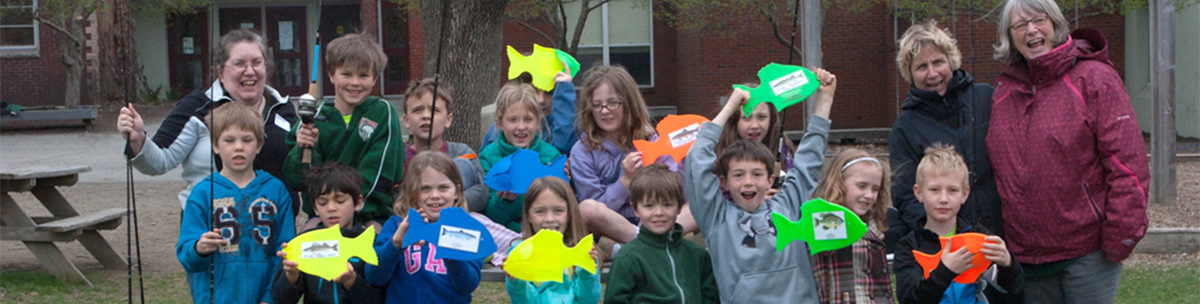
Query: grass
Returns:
{"type": "Point", "coordinates": [1165, 284]}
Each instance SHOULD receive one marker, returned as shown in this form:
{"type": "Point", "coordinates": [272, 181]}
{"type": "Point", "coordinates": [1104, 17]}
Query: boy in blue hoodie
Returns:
{"type": "Point", "coordinates": [336, 194]}
{"type": "Point", "coordinates": [235, 221]}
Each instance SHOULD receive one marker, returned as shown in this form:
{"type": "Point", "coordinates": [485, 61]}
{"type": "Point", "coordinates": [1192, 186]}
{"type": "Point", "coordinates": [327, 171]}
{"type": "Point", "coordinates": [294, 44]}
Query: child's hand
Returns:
{"type": "Point", "coordinates": [825, 92]}
{"type": "Point", "coordinates": [129, 122]}
{"type": "Point", "coordinates": [630, 164]}
{"type": "Point", "coordinates": [347, 278]}
{"type": "Point", "coordinates": [398, 237]}
{"type": "Point", "coordinates": [733, 106]}
{"type": "Point", "coordinates": [995, 250]}
{"type": "Point", "coordinates": [567, 168]}
{"type": "Point", "coordinates": [307, 135]}
{"type": "Point", "coordinates": [596, 257]}
{"type": "Point", "coordinates": [289, 267]}
{"type": "Point", "coordinates": [958, 260]}
{"type": "Point", "coordinates": [209, 242]}
{"type": "Point", "coordinates": [507, 195]}
{"type": "Point", "coordinates": [565, 75]}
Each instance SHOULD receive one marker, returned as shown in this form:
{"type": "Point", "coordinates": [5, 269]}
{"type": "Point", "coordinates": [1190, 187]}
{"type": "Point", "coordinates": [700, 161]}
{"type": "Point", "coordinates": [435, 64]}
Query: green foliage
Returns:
{"type": "Point", "coordinates": [991, 9]}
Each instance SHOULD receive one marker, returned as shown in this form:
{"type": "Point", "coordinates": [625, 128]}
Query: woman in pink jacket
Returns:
{"type": "Point", "coordinates": [1069, 158]}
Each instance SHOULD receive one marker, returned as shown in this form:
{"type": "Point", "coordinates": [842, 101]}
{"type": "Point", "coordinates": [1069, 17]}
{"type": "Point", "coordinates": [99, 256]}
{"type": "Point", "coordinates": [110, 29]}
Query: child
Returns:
{"type": "Point", "coordinates": [737, 230]}
{"type": "Point", "coordinates": [517, 117]}
{"type": "Point", "coordinates": [765, 124]}
{"type": "Point", "coordinates": [859, 273]}
{"type": "Point", "coordinates": [412, 275]}
{"type": "Point", "coordinates": [559, 121]}
{"type": "Point", "coordinates": [550, 204]}
{"type": "Point", "coordinates": [335, 189]}
{"type": "Point", "coordinates": [659, 266]}
{"type": "Point", "coordinates": [358, 130]}
{"type": "Point", "coordinates": [942, 186]}
{"type": "Point", "coordinates": [234, 221]}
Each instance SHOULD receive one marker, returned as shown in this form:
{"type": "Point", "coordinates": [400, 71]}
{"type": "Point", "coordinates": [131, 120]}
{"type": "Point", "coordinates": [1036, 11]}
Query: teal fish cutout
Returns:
{"type": "Point", "coordinates": [781, 85]}
{"type": "Point", "coordinates": [823, 225]}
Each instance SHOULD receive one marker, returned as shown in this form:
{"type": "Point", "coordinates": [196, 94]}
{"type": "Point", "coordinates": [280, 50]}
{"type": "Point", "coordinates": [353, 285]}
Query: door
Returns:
{"type": "Point", "coordinates": [395, 45]}
{"type": "Point", "coordinates": [338, 20]}
{"type": "Point", "coordinates": [239, 18]}
{"type": "Point", "coordinates": [188, 52]}
{"type": "Point", "coordinates": [287, 38]}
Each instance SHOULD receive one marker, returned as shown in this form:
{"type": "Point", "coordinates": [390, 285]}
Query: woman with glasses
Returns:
{"type": "Point", "coordinates": [1070, 162]}
{"type": "Point", "coordinates": [183, 138]}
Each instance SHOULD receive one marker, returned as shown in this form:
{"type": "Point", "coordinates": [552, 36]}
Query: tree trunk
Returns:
{"type": "Point", "coordinates": [74, 61]}
{"type": "Point", "coordinates": [470, 60]}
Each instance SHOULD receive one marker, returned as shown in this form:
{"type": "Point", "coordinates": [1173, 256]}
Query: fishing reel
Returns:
{"type": "Point", "coordinates": [307, 111]}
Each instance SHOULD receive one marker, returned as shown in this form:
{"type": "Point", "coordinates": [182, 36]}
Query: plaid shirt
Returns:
{"type": "Point", "coordinates": [858, 274]}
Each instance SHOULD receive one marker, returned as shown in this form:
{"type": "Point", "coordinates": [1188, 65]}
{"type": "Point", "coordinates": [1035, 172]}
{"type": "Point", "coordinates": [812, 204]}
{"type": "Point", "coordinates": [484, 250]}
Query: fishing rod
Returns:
{"type": "Point", "coordinates": [130, 193]}
{"type": "Point", "coordinates": [437, 74]}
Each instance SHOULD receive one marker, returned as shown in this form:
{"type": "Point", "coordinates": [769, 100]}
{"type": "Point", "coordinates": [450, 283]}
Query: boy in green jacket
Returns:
{"type": "Point", "coordinates": [356, 129]}
{"type": "Point", "coordinates": [659, 266]}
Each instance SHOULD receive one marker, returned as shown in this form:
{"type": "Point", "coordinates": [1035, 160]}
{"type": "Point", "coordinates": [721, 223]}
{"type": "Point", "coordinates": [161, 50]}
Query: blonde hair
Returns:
{"type": "Point", "coordinates": [516, 93]}
{"type": "Point", "coordinates": [356, 52]}
{"type": "Point", "coordinates": [924, 35]}
{"type": "Point", "coordinates": [575, 228]}
{"type": "Point", "coordinates": [832, 187]}
{"type": "Point", "coordinates": [410, 186]}
{"type": "Point", "coordinates": [1004, 49]}
{"type": "Point", "coordinates": [636, 124]}
{"type": "Point", "coordinates": [941, 159]}
{"type": "Point", "coordinates": [235, 114]}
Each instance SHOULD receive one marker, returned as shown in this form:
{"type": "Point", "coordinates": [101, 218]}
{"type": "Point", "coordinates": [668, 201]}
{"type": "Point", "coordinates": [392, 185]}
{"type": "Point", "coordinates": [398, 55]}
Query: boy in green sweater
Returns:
{"type": "Point", "coordinates": [659, 266]}
{"type": "Point", "coordinates": [357, 129]}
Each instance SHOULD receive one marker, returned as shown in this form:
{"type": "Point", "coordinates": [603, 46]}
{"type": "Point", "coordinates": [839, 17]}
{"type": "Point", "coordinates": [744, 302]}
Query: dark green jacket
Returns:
{"type": "Point", "coordinates": [371, 143]}
{"type": "Point", "coordinates": [501, 211]}
{"type": "Point", "coordinates": [662, 268]}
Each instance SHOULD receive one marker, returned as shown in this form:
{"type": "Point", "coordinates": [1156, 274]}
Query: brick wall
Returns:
{"type": "Point", "coordinates": [36, 81]}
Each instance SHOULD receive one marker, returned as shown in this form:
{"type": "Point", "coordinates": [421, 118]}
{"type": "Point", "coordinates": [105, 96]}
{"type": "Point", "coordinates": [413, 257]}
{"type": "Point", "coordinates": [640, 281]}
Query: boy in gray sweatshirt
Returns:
{"type": "Point", "coordinates": [738, 230]}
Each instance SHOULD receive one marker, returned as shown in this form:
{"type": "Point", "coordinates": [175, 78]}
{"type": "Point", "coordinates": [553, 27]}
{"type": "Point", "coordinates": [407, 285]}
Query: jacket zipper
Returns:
{"type": "Point", "coordinates": [1095, 209]}
{"type": "Point", "coordinates": [674, 276]}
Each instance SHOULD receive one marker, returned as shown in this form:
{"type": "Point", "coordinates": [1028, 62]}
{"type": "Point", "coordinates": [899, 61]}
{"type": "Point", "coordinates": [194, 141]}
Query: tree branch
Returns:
{"type": "Point", "coordinates": [598, 5]}
{"type": "Point", "coordinates": [779, 36]}
{"type": "Point", "coordinates": [534, 29]}
{"type": "Point", "coordinates": [61, 29]}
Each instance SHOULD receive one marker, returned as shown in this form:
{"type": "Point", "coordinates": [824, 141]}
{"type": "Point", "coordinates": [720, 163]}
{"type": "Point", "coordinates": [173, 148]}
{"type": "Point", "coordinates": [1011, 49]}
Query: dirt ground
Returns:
{"type": "Point", "coordinates": [159, 211]}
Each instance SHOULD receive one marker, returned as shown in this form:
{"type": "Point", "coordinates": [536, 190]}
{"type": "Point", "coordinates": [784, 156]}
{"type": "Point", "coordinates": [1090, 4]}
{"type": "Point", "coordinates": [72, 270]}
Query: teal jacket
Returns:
{"type": "Point", "coordinates": [662, 268]}
{"type": "Point", "coordinates": [501, 211]}
{"type": "Point", "coordinates": [371, 143]}
{"type": "Point", "coordinates": [583, 287]}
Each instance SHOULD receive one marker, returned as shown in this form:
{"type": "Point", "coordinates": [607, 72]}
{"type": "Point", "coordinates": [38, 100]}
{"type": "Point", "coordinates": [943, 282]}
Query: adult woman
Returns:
{"type": "Point", "coordinates": [944, 105]}
{"type": "Point", "coordinates": [1070, 160]}
{"type": "Point", "coordinates": [183, 137]}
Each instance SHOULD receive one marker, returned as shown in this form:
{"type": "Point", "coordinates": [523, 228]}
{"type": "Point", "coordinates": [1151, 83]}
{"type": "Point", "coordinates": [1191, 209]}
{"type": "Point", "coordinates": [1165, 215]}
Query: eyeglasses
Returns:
{"type": "Point", "coordinates": [242, 65]}
{"type": "Point", "coordinates": [1022, 25]}
{"type": "Point", "coordinates": [612, 106]}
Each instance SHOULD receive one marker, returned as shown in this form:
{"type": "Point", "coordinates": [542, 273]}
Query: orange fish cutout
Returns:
{"type": "Point", "coordinates": [974, 243]}
{"type": "Point", "coordinates": [680, 132]}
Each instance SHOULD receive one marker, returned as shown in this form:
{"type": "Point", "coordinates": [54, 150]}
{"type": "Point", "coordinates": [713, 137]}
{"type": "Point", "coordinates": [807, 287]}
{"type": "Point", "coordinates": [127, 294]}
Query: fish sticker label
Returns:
{"type": "Point", "coordinates": [685, 135]}
{"type": "Point", "coordinates": [459, 239]}
{"type": "Point", "coordinates": [319, 249]}
{"type": "Point", "coordinates": [829, 225]}
{"type": "Point", "coordinates": [788, 82]}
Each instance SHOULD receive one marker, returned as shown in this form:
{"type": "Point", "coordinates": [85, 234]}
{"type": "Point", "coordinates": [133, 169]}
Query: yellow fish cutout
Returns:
{"type": "Point", "coordinates": [542, 65]}
{"type": "Point", "coordinates": [324, 252]}
{"type": "Point", "coordinates": [544, 257]}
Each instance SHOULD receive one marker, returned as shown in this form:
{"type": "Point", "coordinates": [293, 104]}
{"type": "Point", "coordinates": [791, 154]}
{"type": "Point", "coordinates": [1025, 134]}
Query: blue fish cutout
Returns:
{"type": "Point", "coordinates": [457, 235]}
{"type": "Point", "coordinates": [515, 172]}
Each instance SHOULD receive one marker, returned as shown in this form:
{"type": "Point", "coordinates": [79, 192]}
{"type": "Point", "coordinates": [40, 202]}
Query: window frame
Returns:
{"type": "Point", "coordinates": [36, 31]}
{"type": "Point", "coordinates": [606, 47]}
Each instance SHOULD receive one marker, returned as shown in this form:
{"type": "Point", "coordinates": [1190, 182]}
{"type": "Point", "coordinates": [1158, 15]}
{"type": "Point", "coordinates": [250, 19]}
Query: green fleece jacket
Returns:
{"type": "Point", "coordinates": [502, 211]}
{"type": "Point", "coordinates": [371, 143]}
{"type": "Point", "coordinates": [662, 268]}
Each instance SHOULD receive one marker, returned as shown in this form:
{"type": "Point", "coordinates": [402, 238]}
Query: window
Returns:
{"type": "Point", "coordinates": [619, 32]}
{"type": "Point", "coordinates": [18, 28]}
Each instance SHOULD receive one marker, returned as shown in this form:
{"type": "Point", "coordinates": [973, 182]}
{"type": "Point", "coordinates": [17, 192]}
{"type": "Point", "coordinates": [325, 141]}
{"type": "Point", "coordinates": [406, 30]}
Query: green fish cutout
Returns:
{"type": "Point", "coordinates": [824, 226]}
{"type": "Point", "coordinates": [542, 65]}
{"type": "Point", "coordinates": [781, 85]}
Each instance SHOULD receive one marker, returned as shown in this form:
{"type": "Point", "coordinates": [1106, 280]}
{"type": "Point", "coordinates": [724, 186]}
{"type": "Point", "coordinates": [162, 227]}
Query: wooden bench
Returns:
{"type": "Point", "coordinates": [41, 233]}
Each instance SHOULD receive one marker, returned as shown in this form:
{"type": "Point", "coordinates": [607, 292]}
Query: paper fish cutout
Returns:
{"type": "Point", "coordinates": [457, 235]}
{"type": "Point", "coordinates": [781, 85]}
{"type": "Point", "coordinates": [542, 65]}
{"type": "Point", "coordinates": [324, 252]}
{"type": "Point", "coordinates": [676, 133]}
{"type": "Point", "coordinates": [973, 241]}
{"type": "Point", "coordinates": [515, 172]}
{"type": "Point", "coordinates": [823, 225]}
{"type": "Point", "coordinates": [543, 257]}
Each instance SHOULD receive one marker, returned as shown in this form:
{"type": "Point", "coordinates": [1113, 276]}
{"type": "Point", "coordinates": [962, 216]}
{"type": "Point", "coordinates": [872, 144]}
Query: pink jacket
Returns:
{"type": "Point", "coordinates": [1069, 158]}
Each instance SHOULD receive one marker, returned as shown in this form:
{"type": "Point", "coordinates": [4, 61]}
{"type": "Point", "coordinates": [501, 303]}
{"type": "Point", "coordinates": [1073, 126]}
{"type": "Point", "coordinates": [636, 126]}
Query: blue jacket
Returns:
{"type": "Point", "coordinates": [423, 279]}
{"type": "Point", "coordinates": [583, 287]}
{"type": "Point", "coordinates": [254, 219]}
{"type": "Point", "coordinates": [558, 128]}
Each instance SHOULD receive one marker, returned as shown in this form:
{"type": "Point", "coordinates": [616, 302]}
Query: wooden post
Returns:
{"type": "Point", "coordinates": [1162, 79]}
{"type": "Point", "coordinates": [810, 33]}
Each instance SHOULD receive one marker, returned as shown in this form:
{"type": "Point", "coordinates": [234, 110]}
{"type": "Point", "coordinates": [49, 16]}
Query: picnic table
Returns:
{"type": "Point", "coordinates": [41, 233]}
